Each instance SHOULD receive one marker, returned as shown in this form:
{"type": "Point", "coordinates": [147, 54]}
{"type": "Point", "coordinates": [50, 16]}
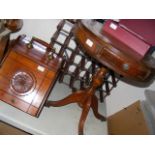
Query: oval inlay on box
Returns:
{"type": "Point", "coordinates": [22, 82]}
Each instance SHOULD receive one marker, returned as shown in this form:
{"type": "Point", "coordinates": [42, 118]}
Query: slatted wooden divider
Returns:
{"type": "Point", "coordinates": [78, 67]}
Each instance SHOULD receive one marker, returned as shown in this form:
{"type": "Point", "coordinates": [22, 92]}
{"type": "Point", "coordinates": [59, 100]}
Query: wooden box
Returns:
{"type": "Point", "coordinates": [28, 74]}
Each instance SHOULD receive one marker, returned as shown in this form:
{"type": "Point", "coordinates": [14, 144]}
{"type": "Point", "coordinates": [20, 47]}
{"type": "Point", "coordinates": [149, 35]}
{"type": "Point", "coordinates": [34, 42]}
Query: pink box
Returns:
{"type": "Point", "coordinates": [142, 28]}
{"type": "Point", "coordinates": [124, 40]}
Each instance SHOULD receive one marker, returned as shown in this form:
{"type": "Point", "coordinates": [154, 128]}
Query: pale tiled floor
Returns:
{"type": "Point", "coordinates": [54, 120]}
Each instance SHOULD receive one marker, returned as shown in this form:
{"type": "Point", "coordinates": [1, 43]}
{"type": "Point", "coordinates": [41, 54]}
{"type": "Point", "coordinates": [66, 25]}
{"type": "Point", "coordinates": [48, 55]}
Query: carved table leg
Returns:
{"type": "Point", "coordinates": [72, 98]}
{"type": "Point", "coordinates": [94, 107]}
{"type": "Point", "coordinates": [84, 114]}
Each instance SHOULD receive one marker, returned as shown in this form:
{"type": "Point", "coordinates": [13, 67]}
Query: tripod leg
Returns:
{"type": "Point", "coordinates": [84, 114]}
{"type": "Point", "coordinates": [94, 107]}
{"type": "Point", "coordinates": [75, 97]}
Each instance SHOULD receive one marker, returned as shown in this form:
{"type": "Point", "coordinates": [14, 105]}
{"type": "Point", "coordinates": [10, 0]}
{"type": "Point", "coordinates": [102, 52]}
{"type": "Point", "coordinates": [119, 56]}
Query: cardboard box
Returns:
{"type": "Point", "coordinates": [129, 121]}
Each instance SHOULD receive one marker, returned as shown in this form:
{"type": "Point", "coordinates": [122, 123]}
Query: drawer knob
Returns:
{"type": "Point", "coordinates": [13, 100]}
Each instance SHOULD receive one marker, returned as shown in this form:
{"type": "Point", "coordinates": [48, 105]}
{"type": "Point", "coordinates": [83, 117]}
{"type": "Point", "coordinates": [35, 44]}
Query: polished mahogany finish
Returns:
{"type": "Point", "coordinates": [99, 48]}
{"type": "Point", "coordinates": [7, 26]}
{"type": "Point", "coordinates": [28, 74]}
{"type": "Point", "coordinates": [79, 66]}
{"type": "Point", "coordinates": [3, 46]}
{"type": "Point", "coordinates": [86, 71]}
{"type": "Point", "coordinates": [86, 99]}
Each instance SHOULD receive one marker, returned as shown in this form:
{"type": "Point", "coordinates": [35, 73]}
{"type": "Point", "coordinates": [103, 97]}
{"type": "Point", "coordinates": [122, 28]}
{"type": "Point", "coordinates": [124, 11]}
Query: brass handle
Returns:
{"type": "Point", "coordinates": [50, 56]}
{"type": "Point", "coordinates": [30, 44]}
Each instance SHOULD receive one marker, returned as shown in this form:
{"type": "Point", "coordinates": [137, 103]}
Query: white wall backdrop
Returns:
{"type": "Point", "coordinates": [122, 96]}
{"type": "Point", "coordinates": [41, 28]}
